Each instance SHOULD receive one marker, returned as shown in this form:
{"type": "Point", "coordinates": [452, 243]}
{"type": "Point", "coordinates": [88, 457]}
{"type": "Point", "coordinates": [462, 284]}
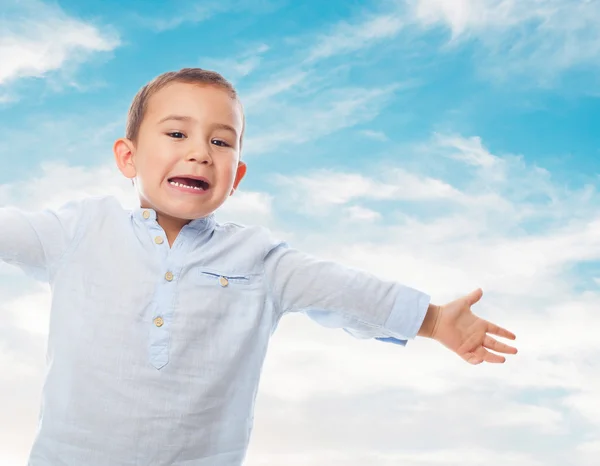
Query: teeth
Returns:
{"type": "Point", "coordinates": [174, 183]}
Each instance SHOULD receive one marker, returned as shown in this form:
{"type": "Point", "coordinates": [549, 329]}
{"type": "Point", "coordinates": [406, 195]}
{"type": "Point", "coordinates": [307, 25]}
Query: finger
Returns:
{"type": "Point", "coordinates": [497, 346]}
{"type": "Point", "coordinates": [481, 354]}
{"type": "Point", "coordinates": [501, 332]}
{"type": "Point", "coordinates": [475, 357]}
{"type": "Point", "coordinates": [494, 358]}
{"type": "Point", "coordinates": [474, 296]}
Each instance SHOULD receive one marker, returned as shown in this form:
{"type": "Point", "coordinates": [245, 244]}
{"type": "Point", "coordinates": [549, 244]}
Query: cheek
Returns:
{"type": "Point", "coordinates": [154, 163]}
{"type": "Point", "coordinates": [227, 171]}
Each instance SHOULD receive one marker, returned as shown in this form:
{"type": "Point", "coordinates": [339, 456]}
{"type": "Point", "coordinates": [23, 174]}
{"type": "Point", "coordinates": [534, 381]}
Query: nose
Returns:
{"type": "Point", "coordinates": [200, 154]}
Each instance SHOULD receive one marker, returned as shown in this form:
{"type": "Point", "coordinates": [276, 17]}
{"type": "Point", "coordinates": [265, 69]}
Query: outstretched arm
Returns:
{"type": "Point", "coordinates": [368, 307]}
{"type": "Point", "coordinates": [19, 241]}
{"type": "Point", "coordinates": [342, 297]}
{"type": "Point", "coordinates": [35, 241]}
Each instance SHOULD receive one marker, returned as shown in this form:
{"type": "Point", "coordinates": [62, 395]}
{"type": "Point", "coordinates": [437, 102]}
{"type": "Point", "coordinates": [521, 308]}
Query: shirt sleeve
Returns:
{"type": "Point", "coordinates": [36, 241]}
{"type": "Point", "coordinates": [336, 296]}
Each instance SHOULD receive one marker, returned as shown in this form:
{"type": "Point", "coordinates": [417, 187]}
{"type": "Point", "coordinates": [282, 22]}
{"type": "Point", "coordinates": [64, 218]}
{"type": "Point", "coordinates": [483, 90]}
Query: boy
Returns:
{"type": "Point", "coordinates": [161, 317]}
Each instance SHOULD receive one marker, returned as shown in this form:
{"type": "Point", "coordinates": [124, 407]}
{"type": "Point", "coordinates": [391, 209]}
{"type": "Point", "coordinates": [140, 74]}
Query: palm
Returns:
{"type": "Point", "coordinates": [467, 335]}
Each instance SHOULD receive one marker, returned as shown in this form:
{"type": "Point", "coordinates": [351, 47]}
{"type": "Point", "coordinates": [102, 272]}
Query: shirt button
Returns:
{"type": "Point", "coordinates": [146, 214]}
{"type": "Point", "coordinates": [159, 240]}
{"type": "Point", "coordinates": [223, 281]}
{"type": "Point", "coordinates": [159, 321]}
{"type": "Point", "coordinates": [169, 276]}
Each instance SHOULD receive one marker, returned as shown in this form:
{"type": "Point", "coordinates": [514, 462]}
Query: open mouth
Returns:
{"type": "Point", "coordinates": [191, 183]}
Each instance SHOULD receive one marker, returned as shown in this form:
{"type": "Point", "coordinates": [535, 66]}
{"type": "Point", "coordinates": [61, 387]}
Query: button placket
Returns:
{"type": "Point", "coordinates": [162, 311]}
{"type": "Point", "coordinates": [159, 345]}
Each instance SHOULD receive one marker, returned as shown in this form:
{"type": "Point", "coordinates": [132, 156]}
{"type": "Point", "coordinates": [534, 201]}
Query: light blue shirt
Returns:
{"type": "Point", "coordinates": [155, 353]}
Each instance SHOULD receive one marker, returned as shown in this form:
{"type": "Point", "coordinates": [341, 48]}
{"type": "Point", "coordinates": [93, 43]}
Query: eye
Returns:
{"type": "Point", "coordinates": [176, 135]}
{"type": "Point", "coordinates": [220, 142]}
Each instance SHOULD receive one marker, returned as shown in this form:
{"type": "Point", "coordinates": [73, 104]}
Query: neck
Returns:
{"type": "Point", "coordinates": [171, 225]}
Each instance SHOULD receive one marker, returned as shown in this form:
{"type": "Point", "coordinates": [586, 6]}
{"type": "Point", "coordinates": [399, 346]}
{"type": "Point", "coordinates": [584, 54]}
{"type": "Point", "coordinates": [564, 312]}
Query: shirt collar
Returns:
{"type": "Point", "coordinates": [145, 215]}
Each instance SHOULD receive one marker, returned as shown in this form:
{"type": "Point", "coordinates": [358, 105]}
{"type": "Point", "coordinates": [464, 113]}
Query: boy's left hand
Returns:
{"type": "Point", "coordinates": [461, 331]}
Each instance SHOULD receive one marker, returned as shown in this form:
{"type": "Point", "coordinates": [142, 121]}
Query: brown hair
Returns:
{"type": "Point", "coordinates": [186, 75]}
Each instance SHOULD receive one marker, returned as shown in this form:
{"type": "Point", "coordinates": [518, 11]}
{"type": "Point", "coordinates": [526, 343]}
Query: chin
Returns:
{"type": "Point", "coordinates": [192, 213]}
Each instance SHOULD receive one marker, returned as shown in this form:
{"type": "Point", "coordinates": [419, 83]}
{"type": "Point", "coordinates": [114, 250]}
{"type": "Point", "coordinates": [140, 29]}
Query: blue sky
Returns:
{"type": "Point", "coordinates": [445, 144]}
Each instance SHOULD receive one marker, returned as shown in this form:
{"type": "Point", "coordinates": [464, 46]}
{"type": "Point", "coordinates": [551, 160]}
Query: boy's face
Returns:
{"type": "Point", "coordinates": [186, 160]}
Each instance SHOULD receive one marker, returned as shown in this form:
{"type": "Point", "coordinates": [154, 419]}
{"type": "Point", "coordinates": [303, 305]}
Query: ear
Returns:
{"type": "Point", "coordinates": [124, 150]}
{"type": "Point", "coordinates": [239, 175]}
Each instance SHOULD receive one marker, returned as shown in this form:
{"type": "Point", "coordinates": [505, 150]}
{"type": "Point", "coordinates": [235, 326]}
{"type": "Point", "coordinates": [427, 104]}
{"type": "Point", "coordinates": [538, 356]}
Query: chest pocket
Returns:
{"type": "Point", "coordinates": [231, 302]}
{"type": "Point", "coordinates": [239, 282]}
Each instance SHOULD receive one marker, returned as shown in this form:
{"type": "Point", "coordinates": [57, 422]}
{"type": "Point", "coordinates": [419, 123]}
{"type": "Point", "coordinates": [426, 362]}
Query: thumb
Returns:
{"type": "Point", "coordinates": [474, 296]}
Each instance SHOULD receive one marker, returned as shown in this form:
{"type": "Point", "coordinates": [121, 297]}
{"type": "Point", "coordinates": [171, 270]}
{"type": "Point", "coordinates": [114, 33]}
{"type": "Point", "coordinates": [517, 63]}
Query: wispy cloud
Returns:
{"type": "Point", "coordinates": [37, 38]}
{"type": "Point", "coordinates": [469, 150]}
{"type": "Point", "coordinates": [356, 456]}
{"type": "Point", "coordinates": [377, 135]}
{"type": "Point", "coordinates": [527, 37]}
{"type": "Point", "coordinates": [170, 15]}
{"type": "Point", "coordinates": [346, 37]}
{"type": "Point", "coordinates": [259, 97]}
{"type": "Point", "coordinates": [174, 14]}
{"type": "Point", "coordinates": [238, 67]}
{"type": "Point", "coordinates": [362, 214]}
{"type": "Point", "coordinates": [323, 114]}
{"type": "Point", "coordinates": [307, 76]}
{"type": "Point", "coordinates": [502, 192]}
{"type": "Point", "coordinates": [330, 188]}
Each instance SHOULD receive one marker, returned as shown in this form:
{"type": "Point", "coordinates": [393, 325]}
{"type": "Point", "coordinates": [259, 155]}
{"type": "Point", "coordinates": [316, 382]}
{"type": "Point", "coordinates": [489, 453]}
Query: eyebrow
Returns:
{"type": "Point", "coordinates": [192, 119]}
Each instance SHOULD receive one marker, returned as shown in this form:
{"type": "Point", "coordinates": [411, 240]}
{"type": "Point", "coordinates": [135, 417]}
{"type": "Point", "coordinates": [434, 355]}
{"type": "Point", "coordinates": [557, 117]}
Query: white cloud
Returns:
{"type": "Point", "coordinates": [238, 67]}
{"type": "Point", "coordinates": [359, 213]}
{"type": "Point", "coordinates": [469, 150]}
{"type": "Point", "coordinates": [502, 191]}
{"type": "Point", "coordinates": [59, 183]}
{"type": "Point", "coordinates": [377, 135]}
{"type": "Point", "coordinates": [37, 38]}
{"type": "Point", "coordinates": [255, 98]}
{"type": "Point", "coordinates": [323, 190]}
{"type": "Point", "coordinates": [300, 98]}
{"type": "Point", "coordinates": [341, 108]}
{"type": "Point", "coordinates": [542, 419]}
{"type": "Point", "coordinates": [198, 14]}
{"type": "Point", "coordinates": [350, 37]}
{"type": "Point", "coordinates": [167, 16]}
{"type": "Point", "coordinates": [174, 14]}
{"type": "Point", "coordinates": [27, 314]}
{"type": "Point", "coordinates": [450, 457]}
{"type": "Point", "coordinates": [247, 207]}
{"type": "Point", "coordinates": [542, 39]}
{"type": "Point", "coordinates": [538, 39]}
{"type": "Point", "coordinates": [585, 400]}
{"type": "Point", "coordinates": [462, 16]}
{"type": "Point", "coordinates": [587, 453]}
